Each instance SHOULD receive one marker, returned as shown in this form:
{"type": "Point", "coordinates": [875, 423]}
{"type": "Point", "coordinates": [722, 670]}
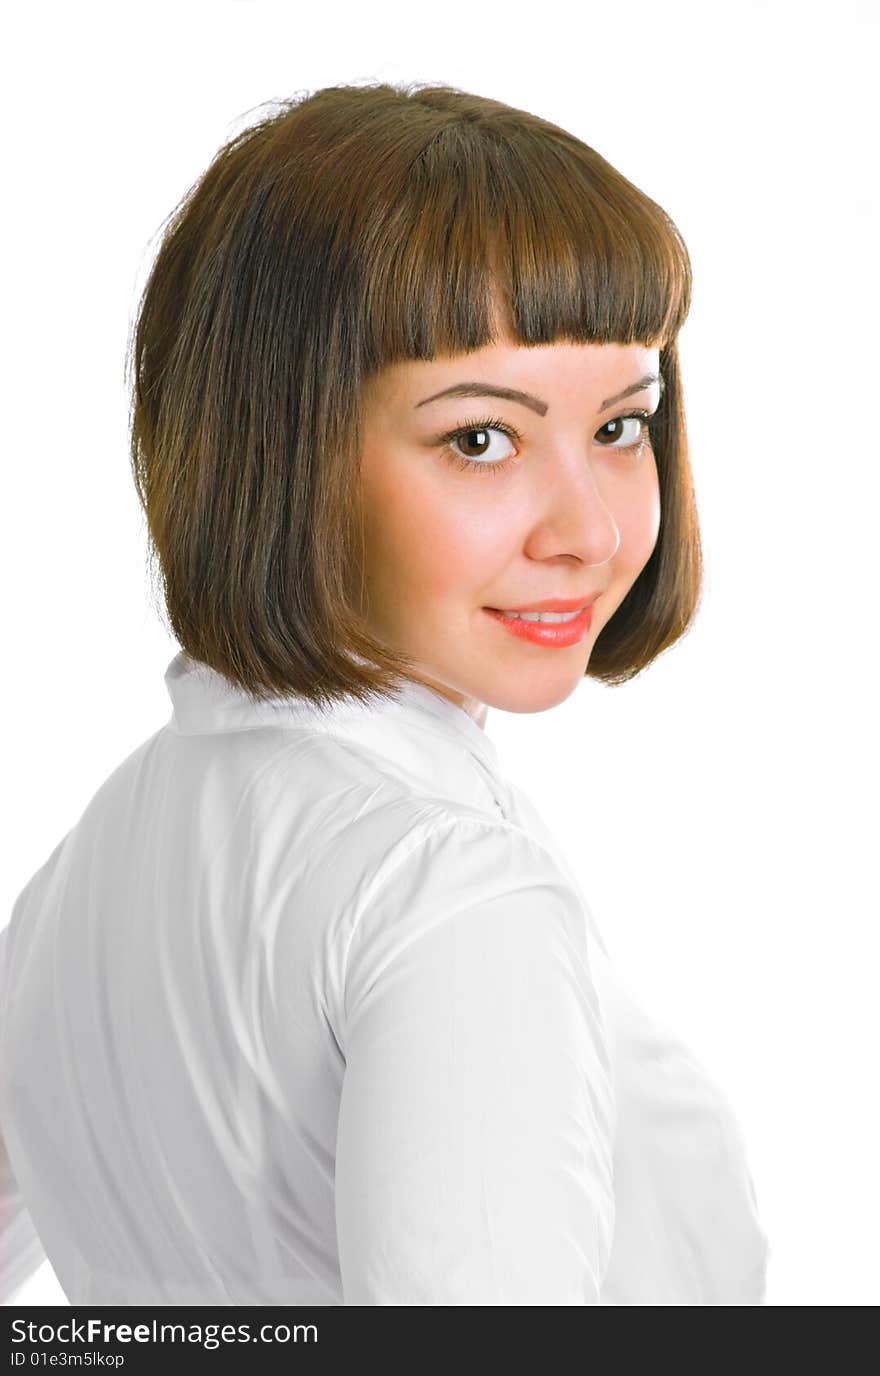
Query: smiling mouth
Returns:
{"type": "Point", "coordinates": [552, 629]}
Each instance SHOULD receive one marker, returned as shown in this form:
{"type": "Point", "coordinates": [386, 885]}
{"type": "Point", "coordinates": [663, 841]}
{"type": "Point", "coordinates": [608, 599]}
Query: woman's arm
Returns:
{"type": "Point", "coordinates": [474, 1149]}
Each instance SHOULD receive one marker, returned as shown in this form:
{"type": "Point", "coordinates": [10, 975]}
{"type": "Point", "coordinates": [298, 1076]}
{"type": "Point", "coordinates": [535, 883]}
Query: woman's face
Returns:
{"type": "Point", "coordinates": [570, 510]}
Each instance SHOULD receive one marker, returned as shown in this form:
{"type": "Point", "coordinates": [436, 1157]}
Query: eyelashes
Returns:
{"type": "Point", "coordinates": [494, 466]}
{"type": "Point", "coordinates": [470, 427]}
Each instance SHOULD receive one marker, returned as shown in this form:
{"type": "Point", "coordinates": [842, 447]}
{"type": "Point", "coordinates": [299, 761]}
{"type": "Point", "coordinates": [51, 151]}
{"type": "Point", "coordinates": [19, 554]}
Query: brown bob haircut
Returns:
{"type": "Point", "coordinates": [349, 229]}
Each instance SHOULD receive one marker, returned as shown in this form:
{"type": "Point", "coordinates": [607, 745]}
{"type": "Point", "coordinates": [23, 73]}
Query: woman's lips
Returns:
{"type": "Point", "coordinates": [553, 634]}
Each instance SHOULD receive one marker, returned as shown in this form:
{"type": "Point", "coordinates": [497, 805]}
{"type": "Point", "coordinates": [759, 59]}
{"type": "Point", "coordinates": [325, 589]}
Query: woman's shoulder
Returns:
{"type": "Point", "coordinates": [341, 792]}
{"type": "Point", "coordinates": [414, 865]}
{"type": "Point", "coordinates": [378, 849]}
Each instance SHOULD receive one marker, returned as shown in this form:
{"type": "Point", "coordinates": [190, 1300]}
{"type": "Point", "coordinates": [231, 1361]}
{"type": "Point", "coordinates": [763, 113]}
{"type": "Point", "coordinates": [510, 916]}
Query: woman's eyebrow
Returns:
{"type": "Point", "coordinates": [486, 389]}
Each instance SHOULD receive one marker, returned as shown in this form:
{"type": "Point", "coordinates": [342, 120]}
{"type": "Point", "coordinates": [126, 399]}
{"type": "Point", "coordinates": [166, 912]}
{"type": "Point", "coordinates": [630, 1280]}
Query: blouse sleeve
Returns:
{"type": "Point", "coordinates": [21, 1251]}
{"type": "Point", "coordinates": [474, 1147]}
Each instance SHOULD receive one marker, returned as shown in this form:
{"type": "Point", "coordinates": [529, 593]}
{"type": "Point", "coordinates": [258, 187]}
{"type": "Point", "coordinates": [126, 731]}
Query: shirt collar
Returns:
{"type": "Point", "coordinates": [415, 728]}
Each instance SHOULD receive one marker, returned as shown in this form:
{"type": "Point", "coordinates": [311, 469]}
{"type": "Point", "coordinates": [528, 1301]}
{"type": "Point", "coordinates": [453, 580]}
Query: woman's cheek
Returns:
{"type": "Point", "coordinates": [639, 524]}
{"type": "Point", "coordinates": [466, 546]}
{"type": "Point", "coordinates": [650, 525]}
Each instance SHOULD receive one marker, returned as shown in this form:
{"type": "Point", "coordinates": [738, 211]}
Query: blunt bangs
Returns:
{"type": "Point", "coordinates": [493, 213]}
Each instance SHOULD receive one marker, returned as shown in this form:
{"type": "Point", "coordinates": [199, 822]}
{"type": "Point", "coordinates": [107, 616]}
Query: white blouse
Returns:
{"type": "Point", "coordinates": [308, 1008]}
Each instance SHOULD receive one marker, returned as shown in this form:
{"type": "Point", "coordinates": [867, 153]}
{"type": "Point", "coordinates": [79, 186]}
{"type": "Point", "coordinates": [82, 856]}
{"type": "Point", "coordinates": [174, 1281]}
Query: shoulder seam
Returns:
{"type": "Point", "coordinates": [419, 834]}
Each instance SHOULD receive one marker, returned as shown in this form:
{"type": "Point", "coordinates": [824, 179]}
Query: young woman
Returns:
{"type": "Point", "coordinates": [308, 1008]}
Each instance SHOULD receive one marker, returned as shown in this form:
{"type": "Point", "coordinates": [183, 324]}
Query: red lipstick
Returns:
{"type": "Point", "coordinates": [554, 634]}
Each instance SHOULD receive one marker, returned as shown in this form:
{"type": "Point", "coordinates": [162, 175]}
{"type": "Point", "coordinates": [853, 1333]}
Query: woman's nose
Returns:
{"type": "Point", "coordinates": [574, 517]}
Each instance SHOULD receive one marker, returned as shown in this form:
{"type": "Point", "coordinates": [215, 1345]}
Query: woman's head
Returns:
{"type": "Point", "coordinates": [340, 262]}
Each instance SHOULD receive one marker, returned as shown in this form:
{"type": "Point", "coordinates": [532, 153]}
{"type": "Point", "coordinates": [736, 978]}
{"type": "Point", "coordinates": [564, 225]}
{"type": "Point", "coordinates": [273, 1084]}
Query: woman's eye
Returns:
{"type": "Point", "coordinates": [614, 432]}
{"type": "Point", "coordinates": [482, 445]}
{"type": "Point", "coordinates": [485, 442]}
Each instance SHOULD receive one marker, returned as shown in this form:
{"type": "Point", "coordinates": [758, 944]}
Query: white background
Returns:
{"type": "Point", "coordinates": [720, 810]}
